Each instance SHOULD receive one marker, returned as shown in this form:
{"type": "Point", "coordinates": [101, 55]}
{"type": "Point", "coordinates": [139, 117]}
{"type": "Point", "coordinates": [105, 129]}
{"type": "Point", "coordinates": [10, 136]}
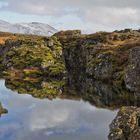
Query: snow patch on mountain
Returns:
{"type": "Point", "coordinates": [34, 28]}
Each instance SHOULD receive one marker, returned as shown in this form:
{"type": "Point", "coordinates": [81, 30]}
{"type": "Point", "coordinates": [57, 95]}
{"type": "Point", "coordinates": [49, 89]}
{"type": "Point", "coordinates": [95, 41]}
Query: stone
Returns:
{"type": "Point", "coordinates": [126, 125]}
{"type": "Point", "coordinates": [2, 110]}
{"type": "Point", "coordinates": [132, 75]}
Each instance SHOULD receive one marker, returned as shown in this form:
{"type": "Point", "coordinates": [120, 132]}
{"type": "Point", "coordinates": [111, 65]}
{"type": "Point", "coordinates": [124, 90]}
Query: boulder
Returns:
{"type": "Point", "coordinates": [132, 74]}
{"type": "Point", "coordinates": [126, 125]}
{"type": "Point", "coordinates": [2, 110]}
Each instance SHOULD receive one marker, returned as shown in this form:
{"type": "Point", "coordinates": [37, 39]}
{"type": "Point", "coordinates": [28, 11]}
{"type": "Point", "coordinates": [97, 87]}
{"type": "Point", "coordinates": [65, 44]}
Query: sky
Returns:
{"type": "Point", "coordinates": [86, 15]}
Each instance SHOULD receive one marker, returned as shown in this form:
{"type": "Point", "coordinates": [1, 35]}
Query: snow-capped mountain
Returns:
{"type": "Point", "coordinates": [34, 28]}
{"type": "Point", "coordinates": [4, 26]}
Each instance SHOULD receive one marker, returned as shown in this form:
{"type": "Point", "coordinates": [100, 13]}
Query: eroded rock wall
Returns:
{"type": "Point", "coordinates": [108, 57]}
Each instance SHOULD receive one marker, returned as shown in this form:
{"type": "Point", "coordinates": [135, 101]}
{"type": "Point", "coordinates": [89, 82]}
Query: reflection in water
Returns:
{"type": "Point", "coordinates": [67, 116]}
{"type": "Point", "coordinates": [36, 87]}
{"type": "Point", "coordinates": [96, 93]}
{"type": "Point", "coordinates": [32, 119]}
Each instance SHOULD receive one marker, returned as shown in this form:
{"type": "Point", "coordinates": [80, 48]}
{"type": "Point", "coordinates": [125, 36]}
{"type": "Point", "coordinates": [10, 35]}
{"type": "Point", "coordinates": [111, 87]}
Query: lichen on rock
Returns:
{"type": "Point", "coordinates": [126, 125]}
{"type": "Point", "coordinates": [132, 75]}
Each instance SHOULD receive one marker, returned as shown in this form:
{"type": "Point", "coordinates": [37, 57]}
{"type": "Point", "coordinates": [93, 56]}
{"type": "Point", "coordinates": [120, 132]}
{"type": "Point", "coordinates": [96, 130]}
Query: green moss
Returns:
{"type": "Point", "coordinates": [44, 54]}
{"type": "Point", "coordinates": [94, 61]}
{"type": "Point", "coordinates": [56, 69]}
{"type": "Point", "coordinates": [32, 72]}
{"type": "Point", "coordinates": [1, 64]}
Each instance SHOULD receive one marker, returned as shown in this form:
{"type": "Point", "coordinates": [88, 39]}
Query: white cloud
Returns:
{"type": "Point", "coordinates": [99, 14]}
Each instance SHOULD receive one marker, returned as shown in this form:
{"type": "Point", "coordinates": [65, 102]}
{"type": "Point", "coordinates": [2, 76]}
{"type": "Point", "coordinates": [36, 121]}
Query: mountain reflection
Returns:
{"type": "Point", "coordinates": [96, 93]}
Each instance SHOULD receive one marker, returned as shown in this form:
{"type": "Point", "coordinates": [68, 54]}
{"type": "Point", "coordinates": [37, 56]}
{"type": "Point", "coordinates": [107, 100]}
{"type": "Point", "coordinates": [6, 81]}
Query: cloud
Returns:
{"type": "Point", "coordinates": [108, 14]}
{"type": "Point", "coordinates": [63, 7]}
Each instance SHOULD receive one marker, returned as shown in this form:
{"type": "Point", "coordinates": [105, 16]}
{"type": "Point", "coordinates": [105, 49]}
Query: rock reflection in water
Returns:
{"type": "Point", "coordinates": [36, 87]}
{"type": "Point", "coordinates": [96, 93]}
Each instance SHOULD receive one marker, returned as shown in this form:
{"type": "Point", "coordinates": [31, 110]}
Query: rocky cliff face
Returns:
{"type": "Point", "coordinates": [132, 73]}
{"type": "Point", "coordinates": [107, 57]}
{"type": "Point", "coordinates": [111, 58]}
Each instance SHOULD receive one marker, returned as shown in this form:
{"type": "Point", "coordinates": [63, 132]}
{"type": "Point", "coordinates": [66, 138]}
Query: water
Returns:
{"type": "Point", "coordinates": [32, 118]}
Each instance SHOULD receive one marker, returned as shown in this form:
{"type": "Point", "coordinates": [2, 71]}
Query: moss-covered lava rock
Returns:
{"type": "Point", "coordinates": [126, 125]}
{"type": "Point", "coordinates": [111, 57]}
{"type": "Point", "coordinates": [31, 55]}
{"type": "Point", "coordinates": [103, 56]}
{"type": "Point", "coordinates": [2, 110]}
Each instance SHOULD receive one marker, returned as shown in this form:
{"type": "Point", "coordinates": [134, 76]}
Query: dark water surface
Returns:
{"type": "Point", "coordinates": [30, 118]}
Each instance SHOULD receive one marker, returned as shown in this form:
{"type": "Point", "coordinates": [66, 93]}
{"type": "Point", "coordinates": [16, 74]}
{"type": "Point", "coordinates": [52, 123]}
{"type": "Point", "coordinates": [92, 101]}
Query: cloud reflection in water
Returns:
{"type": "Point", "coordinates": [34, 119]}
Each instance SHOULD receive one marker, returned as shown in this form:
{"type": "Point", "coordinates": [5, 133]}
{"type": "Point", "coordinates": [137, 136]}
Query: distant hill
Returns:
{"type": "Point", "coordinates": [34, 28]}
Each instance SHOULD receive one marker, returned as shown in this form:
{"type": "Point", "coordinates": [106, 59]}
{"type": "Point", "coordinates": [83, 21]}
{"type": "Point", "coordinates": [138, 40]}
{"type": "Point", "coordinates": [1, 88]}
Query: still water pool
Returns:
{"type": "Point", "coordinates": [31, 118]}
